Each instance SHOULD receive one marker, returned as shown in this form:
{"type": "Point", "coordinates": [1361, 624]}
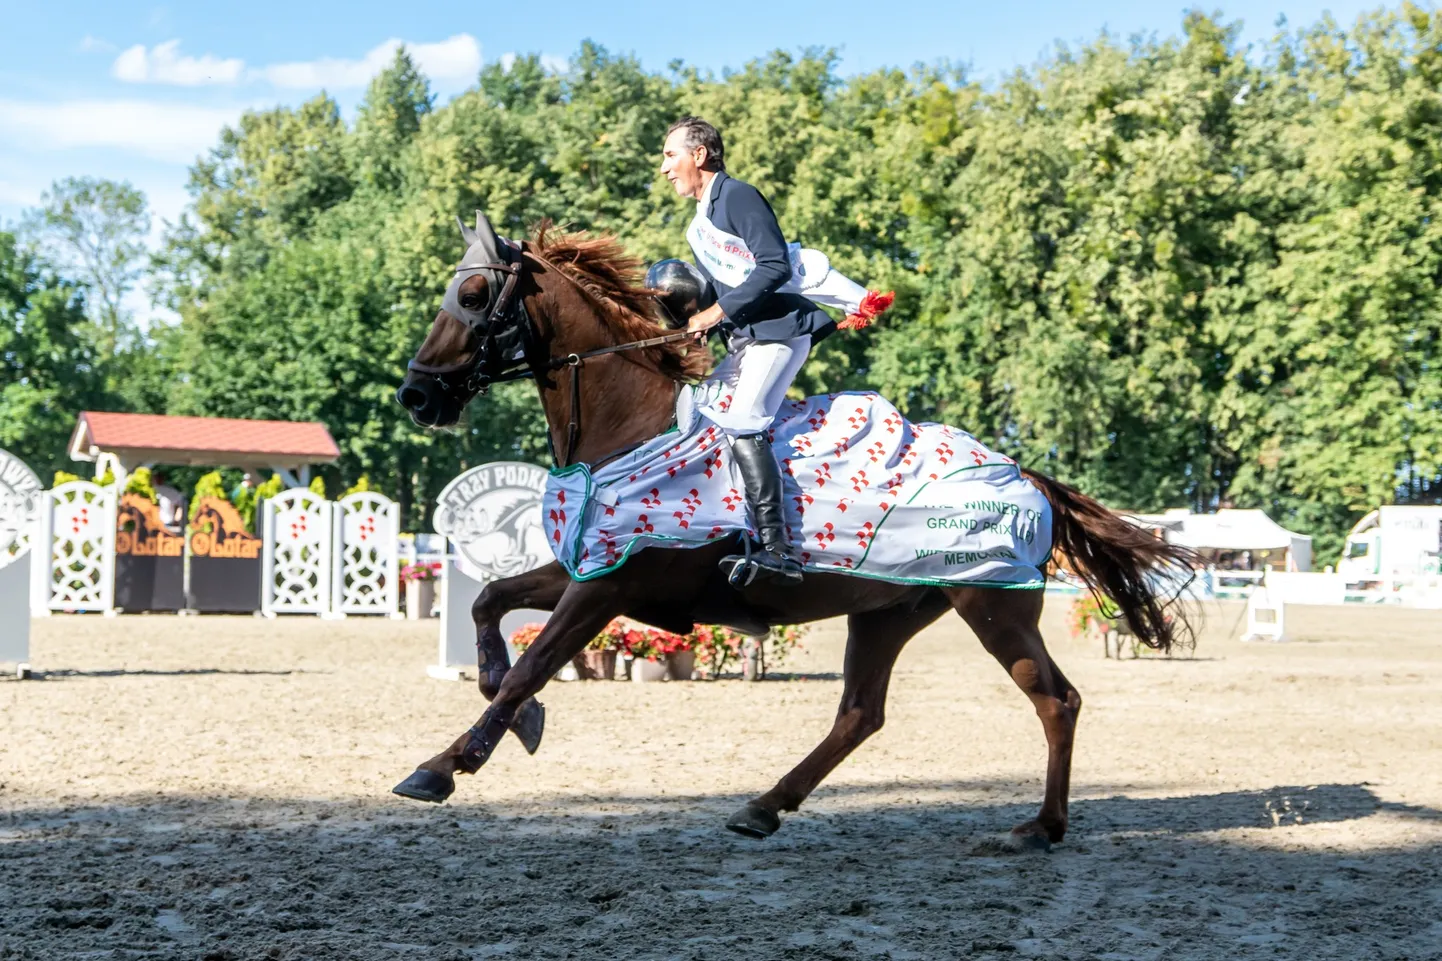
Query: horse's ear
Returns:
{"type": "Point", "coordinates": [467, 234]}
{"type": "Point", "coordinates": [483, 226]}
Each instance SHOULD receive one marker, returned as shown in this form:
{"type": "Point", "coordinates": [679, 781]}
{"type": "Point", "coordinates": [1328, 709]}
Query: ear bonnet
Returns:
{"type": "Point", "coordinates": [483, 249]}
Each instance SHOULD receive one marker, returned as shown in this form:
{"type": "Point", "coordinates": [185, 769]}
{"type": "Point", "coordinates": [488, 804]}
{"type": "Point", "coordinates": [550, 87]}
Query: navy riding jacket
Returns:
{"type": "Point", "coordinates": [755, 308]}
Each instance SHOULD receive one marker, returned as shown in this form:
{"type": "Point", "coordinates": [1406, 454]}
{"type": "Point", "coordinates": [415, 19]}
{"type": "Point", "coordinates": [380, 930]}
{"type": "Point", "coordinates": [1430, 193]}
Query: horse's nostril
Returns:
{"type": "Point", "coordinates": [410, 396]}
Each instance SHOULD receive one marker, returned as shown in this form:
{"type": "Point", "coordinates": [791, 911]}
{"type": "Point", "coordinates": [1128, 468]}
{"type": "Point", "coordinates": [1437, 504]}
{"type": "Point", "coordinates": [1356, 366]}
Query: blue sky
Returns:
{"type": "Point", "coordinates": [136, 91]}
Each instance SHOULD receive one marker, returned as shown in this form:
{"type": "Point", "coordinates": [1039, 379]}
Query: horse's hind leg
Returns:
{"type": "Point", "coordinates": [874, 639]}
{"type": "Point", "coordinates": [542, 589]}
{"type": "Point", "coordinates": [1006, 623]}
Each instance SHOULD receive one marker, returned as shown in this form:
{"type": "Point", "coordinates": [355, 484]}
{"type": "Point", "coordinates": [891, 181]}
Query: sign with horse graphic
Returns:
{"type": "Point", "coordinates": [491, 517]}
{"type": "Point", "coordinates": [224, 560]}
{"type": "Point", "coordinates": [149, 562]}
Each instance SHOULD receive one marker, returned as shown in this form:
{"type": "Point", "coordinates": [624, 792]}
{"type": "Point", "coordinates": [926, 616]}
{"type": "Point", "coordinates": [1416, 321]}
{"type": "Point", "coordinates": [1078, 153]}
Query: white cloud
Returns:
{"type": "Point", "coordinates": [93, 44]}
{"type": "Point", "coordinates": [164, 64]}
{"type": "Point", "coordinates": [163, 131]}
{"type": "Point", "coordinates": [456, 59]}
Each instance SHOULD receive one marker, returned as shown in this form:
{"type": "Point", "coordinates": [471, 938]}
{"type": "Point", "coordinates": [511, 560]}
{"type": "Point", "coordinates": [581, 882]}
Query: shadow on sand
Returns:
{"type": "Point", "coordinates": [147, 672]}
{"type": "Point", "coordinates": [888, 870]}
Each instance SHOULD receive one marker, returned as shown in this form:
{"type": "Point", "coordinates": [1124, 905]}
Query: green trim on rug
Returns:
{"type": "Point", "coordinates": [581, 508]}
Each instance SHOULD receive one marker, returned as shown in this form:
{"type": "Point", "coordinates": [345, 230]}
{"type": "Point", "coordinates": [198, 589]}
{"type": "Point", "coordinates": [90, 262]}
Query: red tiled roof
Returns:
{"type": "Point", "coordinates": [218, 435]}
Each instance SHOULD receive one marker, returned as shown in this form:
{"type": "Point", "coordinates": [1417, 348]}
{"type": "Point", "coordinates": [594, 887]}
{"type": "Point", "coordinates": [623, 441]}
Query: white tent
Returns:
{"type": "Point", "coordinates": [1232, 530]}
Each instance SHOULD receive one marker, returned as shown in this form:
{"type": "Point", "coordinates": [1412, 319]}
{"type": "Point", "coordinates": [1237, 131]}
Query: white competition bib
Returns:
{"type": "Point", "coordinates": [725, 256]}
{"type": "Point", "coordinates": [729, 261]}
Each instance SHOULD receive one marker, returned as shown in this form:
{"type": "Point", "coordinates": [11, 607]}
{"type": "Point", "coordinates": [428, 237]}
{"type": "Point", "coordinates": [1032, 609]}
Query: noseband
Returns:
{"type": "Point", "coordinates": [498, 332]}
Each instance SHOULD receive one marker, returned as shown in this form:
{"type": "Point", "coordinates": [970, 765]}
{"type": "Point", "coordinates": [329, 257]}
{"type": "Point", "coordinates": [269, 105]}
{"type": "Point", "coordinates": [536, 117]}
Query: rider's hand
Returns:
{"type": "Point", "coordinates": [704, 321]}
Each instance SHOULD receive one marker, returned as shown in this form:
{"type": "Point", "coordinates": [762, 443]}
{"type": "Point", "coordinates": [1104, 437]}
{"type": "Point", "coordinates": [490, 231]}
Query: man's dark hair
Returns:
{"type": "Point", "coordinates": [699, 133]}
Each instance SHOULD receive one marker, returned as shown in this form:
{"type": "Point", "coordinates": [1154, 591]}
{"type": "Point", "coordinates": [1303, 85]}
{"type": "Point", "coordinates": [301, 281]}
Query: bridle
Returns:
{"type": "Point", "coordinates": [509, 347]}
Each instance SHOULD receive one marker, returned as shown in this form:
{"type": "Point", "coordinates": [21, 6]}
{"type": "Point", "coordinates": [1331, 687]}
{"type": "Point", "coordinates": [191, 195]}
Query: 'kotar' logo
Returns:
{"type": "Point", "coordinates": [492, 514]}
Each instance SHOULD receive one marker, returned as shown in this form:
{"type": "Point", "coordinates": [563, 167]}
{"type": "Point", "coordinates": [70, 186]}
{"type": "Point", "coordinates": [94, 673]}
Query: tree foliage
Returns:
{"type": "Point", "coordinates": [1172, 271]}
{"type": "Point", "coordinates": [48, 365]}
{"type": "Point", "coordinates": [95, 230]}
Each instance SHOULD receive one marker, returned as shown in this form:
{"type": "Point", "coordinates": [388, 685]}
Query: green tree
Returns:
{"type": "Point", "coordinates": [268, 181]}
{"type": "Point", "coordinates": [48, 364]}
{"type": "Point", "coordinates": [1172, 271]}
{"type": "Point", "coordinates": [1340, 403]}
{"type": "Point", "coordinates": [388, 120]}
{"type": "Point", "coordinates": [94, 230]}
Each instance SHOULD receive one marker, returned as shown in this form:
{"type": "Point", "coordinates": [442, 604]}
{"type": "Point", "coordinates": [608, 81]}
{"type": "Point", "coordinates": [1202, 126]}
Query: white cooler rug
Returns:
{"type": "Point", "coordinates": [868, 494]}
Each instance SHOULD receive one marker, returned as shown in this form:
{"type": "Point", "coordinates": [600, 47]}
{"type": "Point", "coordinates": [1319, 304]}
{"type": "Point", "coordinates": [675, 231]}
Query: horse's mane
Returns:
{"type": "Point", "coordinates": [612, 279]}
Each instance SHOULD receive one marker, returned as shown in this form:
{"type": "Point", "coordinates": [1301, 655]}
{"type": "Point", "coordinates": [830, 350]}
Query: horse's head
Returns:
{"type": "Point", "coordinates": [480, 330]}
{"type": "Point", "coordinates": [561, 303]}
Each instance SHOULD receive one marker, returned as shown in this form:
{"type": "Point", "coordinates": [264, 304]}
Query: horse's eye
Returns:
{"type": "Point", "coordinates": [472, 301]}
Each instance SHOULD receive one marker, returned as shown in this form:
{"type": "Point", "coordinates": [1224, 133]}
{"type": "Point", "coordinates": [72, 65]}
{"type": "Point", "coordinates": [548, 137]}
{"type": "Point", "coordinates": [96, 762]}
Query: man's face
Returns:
{"type": "Point", "coordinates": [681, 166]}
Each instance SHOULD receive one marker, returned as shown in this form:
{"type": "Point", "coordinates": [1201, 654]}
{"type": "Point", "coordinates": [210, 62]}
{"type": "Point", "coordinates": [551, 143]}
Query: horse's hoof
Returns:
{"type": "Point", "coordinates": [425, 785]}
{"type": "Point", "coordinates": [1028, 841]}
{"type": "Point", "coordinates": [529, 724]}
{"type": "Point", "coordinates": [754, 822]}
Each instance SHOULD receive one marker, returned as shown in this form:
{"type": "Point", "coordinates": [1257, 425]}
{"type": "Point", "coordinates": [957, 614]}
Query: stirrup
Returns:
{"type": "Point", "coordinates": [743, 567]}
{"type": "Point", "coordinates": [746, 566]}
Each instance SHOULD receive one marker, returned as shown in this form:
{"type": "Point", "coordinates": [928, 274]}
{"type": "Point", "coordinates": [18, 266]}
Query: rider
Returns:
{"type": "Point", "coordinates": [768, 331]}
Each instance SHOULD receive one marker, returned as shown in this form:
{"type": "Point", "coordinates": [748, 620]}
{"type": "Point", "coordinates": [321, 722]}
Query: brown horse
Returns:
{"type": "Point", "coordinates": [562, 308]}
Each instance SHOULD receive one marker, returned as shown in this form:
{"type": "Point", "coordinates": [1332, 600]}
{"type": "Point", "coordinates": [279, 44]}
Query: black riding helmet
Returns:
{"type": "Point", "coordinates": [685, 291]}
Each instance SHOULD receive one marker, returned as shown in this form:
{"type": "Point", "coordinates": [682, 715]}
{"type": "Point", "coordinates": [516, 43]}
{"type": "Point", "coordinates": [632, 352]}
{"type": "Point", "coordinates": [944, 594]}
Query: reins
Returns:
{"type": "Point", "coordinates": [575, 362]}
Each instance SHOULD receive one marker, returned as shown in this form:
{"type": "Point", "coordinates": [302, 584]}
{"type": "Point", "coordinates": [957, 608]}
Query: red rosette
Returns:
{"type": "Point", "coordinates": [873, 305]}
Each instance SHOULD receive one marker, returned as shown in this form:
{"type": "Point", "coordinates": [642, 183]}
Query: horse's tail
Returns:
{"type": "Point", "coordinates": [1140, 573]}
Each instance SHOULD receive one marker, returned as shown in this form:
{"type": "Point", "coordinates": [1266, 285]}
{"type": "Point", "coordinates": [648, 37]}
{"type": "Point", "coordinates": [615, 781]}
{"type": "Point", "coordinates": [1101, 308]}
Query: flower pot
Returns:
{"type": "Point", "coordinates": [420, 599]}
{"type": "Point", "coordinates": [646, 672]}
{"type": "Point", "coordinates": [681, 665]}
{"type": "Point", "coordinates": [595, 665]}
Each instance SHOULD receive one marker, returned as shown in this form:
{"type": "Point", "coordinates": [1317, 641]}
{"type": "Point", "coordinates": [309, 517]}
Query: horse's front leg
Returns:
{"type": "Point", "coordinates": [542, 589]}
{"type": "Point", "coordinates": [583, 611]}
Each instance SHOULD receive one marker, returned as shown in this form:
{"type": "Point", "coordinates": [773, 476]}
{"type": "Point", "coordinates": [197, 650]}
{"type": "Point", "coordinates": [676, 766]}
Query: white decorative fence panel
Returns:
{"type": "Point", "coordinates": [296, 557]}
{"type": "Point", "coordinates": [21, 501]}
{"type": "Point", "coordinates": [366, 579]}
{"type": "Point", "coordinates": [77, 520]}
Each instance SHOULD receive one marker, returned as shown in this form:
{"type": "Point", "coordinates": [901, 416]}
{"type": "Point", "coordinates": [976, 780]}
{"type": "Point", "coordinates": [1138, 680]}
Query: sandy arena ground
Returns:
{"type": "Point", "coordinates": [219, 789]}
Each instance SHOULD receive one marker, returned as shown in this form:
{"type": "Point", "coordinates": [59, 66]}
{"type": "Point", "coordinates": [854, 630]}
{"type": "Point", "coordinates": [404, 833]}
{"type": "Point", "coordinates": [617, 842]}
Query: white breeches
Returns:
{"type": "Point", "coordinates": [759, 376]}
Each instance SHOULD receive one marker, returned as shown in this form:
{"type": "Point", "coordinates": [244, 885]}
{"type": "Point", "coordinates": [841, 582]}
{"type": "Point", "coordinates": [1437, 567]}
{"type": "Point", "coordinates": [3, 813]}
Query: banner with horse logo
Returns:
{"type": "Point", "coordinates": [868, 493]}
{"type": "Point", "coordinates": [149, 568]}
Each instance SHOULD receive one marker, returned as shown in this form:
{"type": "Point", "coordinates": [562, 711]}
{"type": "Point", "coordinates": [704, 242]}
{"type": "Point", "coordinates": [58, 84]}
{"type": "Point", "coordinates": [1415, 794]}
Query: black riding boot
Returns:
{"type": "Point", "coordinates": [761, 476]}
